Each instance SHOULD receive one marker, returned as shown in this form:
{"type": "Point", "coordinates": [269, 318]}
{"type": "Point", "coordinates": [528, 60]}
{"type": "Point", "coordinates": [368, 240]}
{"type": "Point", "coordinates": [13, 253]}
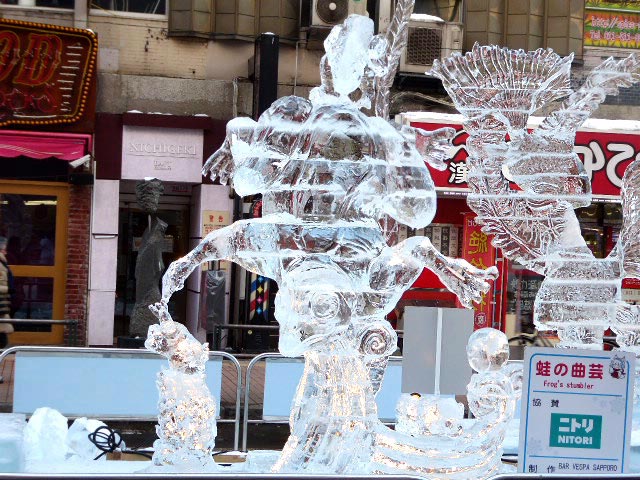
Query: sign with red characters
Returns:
{"type": "Point", "coordinates": [46, 73]}
{"type": "Point", "coordinates": [605, 156]}
{"type": "Point", "coordinates": [576, 412]}
{"type": "Point", "coordinates": [478, 251]}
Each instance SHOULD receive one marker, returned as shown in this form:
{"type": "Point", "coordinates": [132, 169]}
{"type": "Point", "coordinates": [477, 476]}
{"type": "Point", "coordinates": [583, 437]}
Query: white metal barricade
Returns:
{"type": "Point", "coordinates": [282, 375]}
{"type": "Point", "coordinates": [103, 383]}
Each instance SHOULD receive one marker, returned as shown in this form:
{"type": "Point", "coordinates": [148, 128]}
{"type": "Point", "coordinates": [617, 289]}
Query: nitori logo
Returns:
{"type": "Point", "coordinates": [575, 431]}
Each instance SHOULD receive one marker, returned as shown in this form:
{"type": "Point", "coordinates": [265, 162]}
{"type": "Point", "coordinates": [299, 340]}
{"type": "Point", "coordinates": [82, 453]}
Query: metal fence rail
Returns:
{"type": "Point", "coordinates": [217, 331]}
{"type": "Point", "coordinates": [247, 391]}
{"type": "Point", "coordinates": [73, 332]}
{"type": "Point", "coordinates": [140, 352]}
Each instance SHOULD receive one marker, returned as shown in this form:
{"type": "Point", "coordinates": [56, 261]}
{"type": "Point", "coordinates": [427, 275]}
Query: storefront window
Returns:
{"type": "Point", "coordinates": [136, 6]}
{"type": "Point", "coordinates": [29, 223]}
{"type": "Point", "coordinates": [41, 3]}
{"type": "Point", "coordinates": [33, 298]}
{"type": "Point", "coordinates": [522, 288]}
{"type": "Point", "coordinates": [34, 219]}
{"type": "Point", "coordinates": [600, 224]}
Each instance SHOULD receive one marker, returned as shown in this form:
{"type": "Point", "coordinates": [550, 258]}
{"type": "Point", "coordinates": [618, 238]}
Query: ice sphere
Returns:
{"type": "Point", "coordinates": [78, 439]}
{"type": "Point", "coordinates": [11, 442]}
{"type": "Point", "coordinates": [487, 349]}
{"type": "Point", "coordinates": [45, 436]}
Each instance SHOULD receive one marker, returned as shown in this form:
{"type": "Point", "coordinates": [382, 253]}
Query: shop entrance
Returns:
{"type": "Point", "coordinates": [34, 217]}
{"type": "Point", "coordinates": [132, 223]}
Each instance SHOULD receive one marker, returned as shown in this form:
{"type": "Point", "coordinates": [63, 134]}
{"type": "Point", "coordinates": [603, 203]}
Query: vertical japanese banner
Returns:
{"type": "Point", "coordinates": [478, 251]}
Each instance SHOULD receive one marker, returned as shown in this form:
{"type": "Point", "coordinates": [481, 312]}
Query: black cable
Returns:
{"type": "Point", "coordinates": [145, 454]}
{"type": "Point", "coordinates": [106, 439]}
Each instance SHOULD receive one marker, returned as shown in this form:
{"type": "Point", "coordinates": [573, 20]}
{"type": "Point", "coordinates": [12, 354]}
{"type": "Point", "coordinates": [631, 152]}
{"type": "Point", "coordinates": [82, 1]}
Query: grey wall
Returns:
{"type": "Point", "coordinates": [118, 93]}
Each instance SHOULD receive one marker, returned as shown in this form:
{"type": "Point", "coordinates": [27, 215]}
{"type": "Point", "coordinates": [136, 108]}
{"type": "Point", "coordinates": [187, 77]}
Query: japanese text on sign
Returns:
{"type": "Point", "coordinates": [213, 220]}
{"type": "Point", "coordinates": [576, 411]}
{"type": "Point", "coordinates": [476, 250]}
{"type": "Point", "coordinates": [605, 156]}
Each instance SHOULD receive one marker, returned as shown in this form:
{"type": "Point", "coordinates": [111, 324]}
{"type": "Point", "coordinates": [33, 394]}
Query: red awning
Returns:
{"type": "Point", "coordinates": [63, 146]}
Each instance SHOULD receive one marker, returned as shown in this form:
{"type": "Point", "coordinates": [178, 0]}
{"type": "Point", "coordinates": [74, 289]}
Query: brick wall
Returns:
{"type": "Point", "coordinates": [75, 307]}
{"type": "Point", "coordinates": [52, 16]}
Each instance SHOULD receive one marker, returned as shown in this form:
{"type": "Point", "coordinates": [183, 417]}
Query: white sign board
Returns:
{"type": "Point", "coordinates": [168, 154]}
{"type": "Point", "coordinates": [433, 340]}
{"type": "Point", "coordinates": [576, 411]}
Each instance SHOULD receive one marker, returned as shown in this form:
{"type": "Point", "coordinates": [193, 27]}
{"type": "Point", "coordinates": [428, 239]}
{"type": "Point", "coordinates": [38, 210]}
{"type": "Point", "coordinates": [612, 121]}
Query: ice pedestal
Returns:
{"type": "Point", "coordinates": [261, 460]}
{"type": "Point", "coordinates": [11, 442]}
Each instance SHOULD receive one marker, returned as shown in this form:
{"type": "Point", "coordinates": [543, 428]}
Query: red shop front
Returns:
{"type": "Point", "coordinates": [47, 108]}
{"type": "Point", "coordinates": [606, 148]}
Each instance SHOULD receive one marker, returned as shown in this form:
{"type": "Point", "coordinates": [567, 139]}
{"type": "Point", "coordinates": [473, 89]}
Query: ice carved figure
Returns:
{"type": "Point", "coordinates": [187, 411]}
{"type": "Point", "coordinates": [330, 175]}
{"type": "Point", "coordinates": [497, 89]}
{"type": "Point", "coordinates": [446, 445]}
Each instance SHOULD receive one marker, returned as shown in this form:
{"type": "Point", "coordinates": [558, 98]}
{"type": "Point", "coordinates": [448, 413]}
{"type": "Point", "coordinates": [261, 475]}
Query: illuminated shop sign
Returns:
{"type": "Point", "coordinates": [46, 73]}
{"type": "Point", "coordinates": [605, 156]}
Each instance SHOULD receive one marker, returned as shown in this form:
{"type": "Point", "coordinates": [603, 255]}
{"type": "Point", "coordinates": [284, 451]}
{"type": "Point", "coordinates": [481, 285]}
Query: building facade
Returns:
{"type": "Point", "coordinates": [170, 73]}
{"type": "Point", "coordinates": [47, 90]}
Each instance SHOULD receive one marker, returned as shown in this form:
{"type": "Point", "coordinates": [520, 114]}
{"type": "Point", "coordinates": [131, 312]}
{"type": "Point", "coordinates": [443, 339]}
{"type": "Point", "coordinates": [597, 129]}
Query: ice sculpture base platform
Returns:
{"type": "Point", "coordinates": [192, 476]}
{"type": "Point", "coordinates": [243, 476]}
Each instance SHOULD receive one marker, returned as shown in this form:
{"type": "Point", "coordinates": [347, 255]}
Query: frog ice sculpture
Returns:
{"type": "Point", "coordinates": [330, 175]}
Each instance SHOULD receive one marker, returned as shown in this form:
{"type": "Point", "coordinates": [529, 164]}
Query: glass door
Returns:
{"type": "Point", "coordinates": [34, 217]}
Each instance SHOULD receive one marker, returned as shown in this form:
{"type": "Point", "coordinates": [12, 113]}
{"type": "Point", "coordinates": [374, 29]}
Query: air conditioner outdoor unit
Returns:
{"type": "Point", "coordinates": [430, 38]}
{"type": "Point", "coordinates": [327, 13]}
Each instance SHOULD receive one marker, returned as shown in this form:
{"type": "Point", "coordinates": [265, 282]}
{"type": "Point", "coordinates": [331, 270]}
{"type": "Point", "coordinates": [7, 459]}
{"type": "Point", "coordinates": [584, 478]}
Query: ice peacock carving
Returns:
{"type": "Point", "coordinates": [496, 90]}
{"type": "Point", "coordinates": [330, 176]}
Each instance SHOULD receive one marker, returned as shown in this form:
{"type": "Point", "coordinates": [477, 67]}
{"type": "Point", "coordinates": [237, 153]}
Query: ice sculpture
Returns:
{"type": "Point", "coordinates": [187, 411]}
{"type": "Point", "coordinates": [332, 171]}
{"type": "Point", "coordinates": [444, 444]}
{"type": "Point", "coordinates": [497, 89]}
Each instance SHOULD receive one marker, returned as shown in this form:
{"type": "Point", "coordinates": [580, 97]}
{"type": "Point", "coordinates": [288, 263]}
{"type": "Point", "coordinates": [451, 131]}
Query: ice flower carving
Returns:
{"type": "Point", "coordinates": [497, 89]}
{"type": "Point", "coordinates": [491, 85]}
